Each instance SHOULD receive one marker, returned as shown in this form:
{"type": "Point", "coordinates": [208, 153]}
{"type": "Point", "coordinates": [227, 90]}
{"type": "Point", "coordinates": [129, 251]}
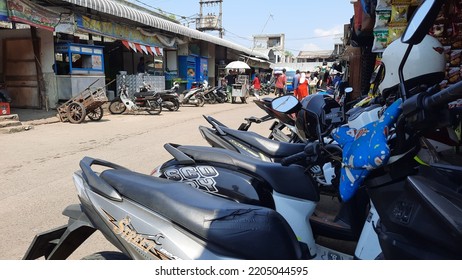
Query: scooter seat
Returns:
{"type": "Point", "coordinates": [272, 148]}
{"type": "Point", "coordinates": [301, 184]}
{"type": "Point", "coordinates": [166, 92]}
{"type": "Point", "coordinates": [240, 230]}
{"type": "Point", "coordinates": [144, 94]}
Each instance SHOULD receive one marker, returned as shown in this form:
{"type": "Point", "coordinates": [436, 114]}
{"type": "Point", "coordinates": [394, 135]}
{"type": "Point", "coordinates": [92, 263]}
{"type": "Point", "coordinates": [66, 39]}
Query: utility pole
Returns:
{"type": "Point", "coordinates": [210, 21]}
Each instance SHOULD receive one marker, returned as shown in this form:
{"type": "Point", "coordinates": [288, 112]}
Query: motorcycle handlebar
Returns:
{"type": "Point", "coordinates": [443, 97]}
{"type": "Point", "coordinates": [293, 158]}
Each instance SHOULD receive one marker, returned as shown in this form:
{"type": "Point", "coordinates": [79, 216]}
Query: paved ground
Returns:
{"type": "Point", "coordinates": [37, 165]}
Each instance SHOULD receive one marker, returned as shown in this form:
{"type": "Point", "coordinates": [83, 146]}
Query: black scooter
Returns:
{"type": "Point", "coordinates": [170, 98]}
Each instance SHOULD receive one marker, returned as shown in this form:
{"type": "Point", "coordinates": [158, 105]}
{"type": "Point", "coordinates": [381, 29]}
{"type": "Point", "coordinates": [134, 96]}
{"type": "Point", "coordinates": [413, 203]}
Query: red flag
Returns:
{"type": "Point", "coordinates": [150, 50]}
{"type": "Point", "coordinates": [125, 43]}
{"type": "Point", "coordinates": [138, 47]}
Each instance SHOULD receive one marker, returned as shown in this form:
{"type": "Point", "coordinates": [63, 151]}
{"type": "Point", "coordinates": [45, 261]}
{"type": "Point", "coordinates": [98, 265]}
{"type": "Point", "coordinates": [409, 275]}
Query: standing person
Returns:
{"type": "Point", "coordinates": [337, 78]}
{"type": "Point", "coordinates": [281, 83]}
{"type": "Point", "coordinates": [296, 81]}
{"type": "Point", "coordinates": [230, 81]}
{"type": "Point", "coordinates": [256, 85]}
{"type": "Point", "coordinates": [326, 78]}
{"type": "Point", "coordinates": [302, 90]}
{"type": "Point", "coordinates": [314, 83]}
{"type": "Point", "coordinates": [140, 68]}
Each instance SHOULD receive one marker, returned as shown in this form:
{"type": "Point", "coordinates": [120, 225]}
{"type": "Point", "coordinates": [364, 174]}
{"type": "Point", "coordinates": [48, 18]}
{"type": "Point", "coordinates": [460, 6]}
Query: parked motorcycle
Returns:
{"type": "Point", "coordinates": [170, 99]}
{"type": "Point", "coordinates": [221, 94]}
{"type": "Point", "coordinates": [152, 218]}
{"type": "Point", "coordinates": [150, 101]}
{"type": "Point", "coordinates": [209, 94]}
{"type": "Point", "coordinates": [193, 96]}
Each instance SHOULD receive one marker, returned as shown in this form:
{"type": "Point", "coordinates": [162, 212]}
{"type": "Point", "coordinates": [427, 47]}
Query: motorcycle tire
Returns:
{"type": "Point", "coordinates": [76, 112]}
{"type": "Point", "coordinates": [96, 114]}
{"type": "Point", "coordinates": [176, 105]}
{"type": "Point", "coordinates": [117, 107]}
{"type": "Point", "coordinates": [153, 108]}
{"type": "Point", "coordinates": [200, 101]}
{"type": "Point", "coordinates": [212, 99]}
{"type": "Point", "coordinates": [106, 255]}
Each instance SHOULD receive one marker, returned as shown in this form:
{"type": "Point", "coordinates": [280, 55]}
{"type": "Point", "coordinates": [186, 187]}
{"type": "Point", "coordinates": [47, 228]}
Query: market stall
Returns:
{"type": "Point", "coordinates": [242, 85]}
{"type": "Point", "coordinates": [76, 67]}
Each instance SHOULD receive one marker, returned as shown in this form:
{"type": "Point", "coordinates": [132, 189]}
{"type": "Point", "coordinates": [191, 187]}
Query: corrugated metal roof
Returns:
{"type": "Point", "coordinates": [315, 54]}
{"type": "Point", "coordinates": [120, 10]}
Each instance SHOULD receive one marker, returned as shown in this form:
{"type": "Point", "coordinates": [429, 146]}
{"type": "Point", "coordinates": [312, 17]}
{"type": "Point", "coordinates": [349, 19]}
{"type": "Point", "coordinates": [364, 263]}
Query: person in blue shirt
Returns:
{"type": "Point", "coordinates": [337, 78]}
{"type": "Point", "coordinates": [295, 81]}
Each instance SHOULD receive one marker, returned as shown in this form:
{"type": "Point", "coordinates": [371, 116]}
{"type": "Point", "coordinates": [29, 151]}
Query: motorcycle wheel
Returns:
{"type": "Point", "coordinates": [212, 99]}
{"type": "Point", "coordinates": [176, 105]}
{"type": "Point", "coordinates": [200, 101]}
{"type": "Point", "coordinates": [106, 255]}
{"type": "Point", "coordinates": [96, 114]}
{"type": "Point", "coordinates": [76, 112]}
{"type": "Point", "coordinates": [153, 108]}
{"type": "Point", "coordinates": [117, 107]}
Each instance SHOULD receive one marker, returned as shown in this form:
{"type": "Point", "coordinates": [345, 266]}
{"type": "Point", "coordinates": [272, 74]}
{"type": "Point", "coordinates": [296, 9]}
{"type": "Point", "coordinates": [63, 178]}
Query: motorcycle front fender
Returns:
{"type": "Point", "coordinates": [61, 242]}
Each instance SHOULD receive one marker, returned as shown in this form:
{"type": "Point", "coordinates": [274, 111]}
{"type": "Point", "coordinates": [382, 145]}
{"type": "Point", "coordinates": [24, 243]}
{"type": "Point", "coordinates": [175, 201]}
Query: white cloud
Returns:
{"type": "Point", "coordinates": [334, 31]}
{"type": "Point", "coordinates": [326, 38]}
{"type": "Point", "coordinates": [311, 47]}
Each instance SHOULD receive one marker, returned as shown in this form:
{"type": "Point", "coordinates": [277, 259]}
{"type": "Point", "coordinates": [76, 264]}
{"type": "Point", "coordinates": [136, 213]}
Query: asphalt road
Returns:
{"type": "Point", "coordinates": [37, 165]}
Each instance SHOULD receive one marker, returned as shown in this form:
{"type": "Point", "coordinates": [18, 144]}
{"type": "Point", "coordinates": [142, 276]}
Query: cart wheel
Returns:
{"type": "Point", "coordinates": [76, 112]}
{"type": "Point", "coordinates": [96, 114]}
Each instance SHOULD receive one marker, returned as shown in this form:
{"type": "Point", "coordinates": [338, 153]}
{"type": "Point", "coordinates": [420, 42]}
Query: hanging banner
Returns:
{"type": "Point", "coordinates": [143, 47]}
{"type": "Point", "coordinates": [115, 30]}
{"type": "Point", "coordinates": [34, 15]}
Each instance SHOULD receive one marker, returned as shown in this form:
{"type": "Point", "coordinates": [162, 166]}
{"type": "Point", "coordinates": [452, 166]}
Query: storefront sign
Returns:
{"type": "Point", "coordinates": [32, 14]}
{"type": "Point", "coordinates": [115, 30]}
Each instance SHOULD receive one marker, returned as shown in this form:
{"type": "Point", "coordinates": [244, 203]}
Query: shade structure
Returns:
{"type": "Point", "coordinates": [237, 65]}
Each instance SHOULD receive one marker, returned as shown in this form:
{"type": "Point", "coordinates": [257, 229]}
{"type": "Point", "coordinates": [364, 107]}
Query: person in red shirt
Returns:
{"type": "Point", "coordinates": [256, 85]}
{"type": "Point", "coordinates": [281, 83]}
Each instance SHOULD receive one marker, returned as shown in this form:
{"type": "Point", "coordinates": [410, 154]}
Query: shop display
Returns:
{"type": "Point", "coordinates": [447, 29]}
{"type": "Point", "coordinates": [391, 18]}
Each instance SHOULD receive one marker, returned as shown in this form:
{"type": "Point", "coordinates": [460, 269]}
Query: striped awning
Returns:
{"type": "Point", "coordinates": [136, 47]}
{"type": "Point", "coordinates": [120, 10]}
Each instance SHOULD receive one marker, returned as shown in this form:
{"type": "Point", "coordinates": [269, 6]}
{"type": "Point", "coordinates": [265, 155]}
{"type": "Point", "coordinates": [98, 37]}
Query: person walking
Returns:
{"type": "Point", "coordinates": [302, 90]}
{"type": "Point", "coordinates": [281, 83]}
{"type": "Point", "coordinates": [295, 81]}
{"type": "Point", "coordinates": [256, 85]}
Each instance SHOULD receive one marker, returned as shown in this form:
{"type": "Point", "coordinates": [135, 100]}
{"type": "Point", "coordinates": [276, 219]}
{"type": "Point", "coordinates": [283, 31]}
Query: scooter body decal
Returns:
{"type": "Point", "coordinates": [200, 177]}
{"type": "Point", "coordinates": [149, 244]}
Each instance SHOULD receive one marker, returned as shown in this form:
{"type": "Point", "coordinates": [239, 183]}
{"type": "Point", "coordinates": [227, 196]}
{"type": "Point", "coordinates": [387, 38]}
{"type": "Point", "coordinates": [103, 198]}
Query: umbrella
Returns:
{"type": "Point", "coordinates": [237, 65]}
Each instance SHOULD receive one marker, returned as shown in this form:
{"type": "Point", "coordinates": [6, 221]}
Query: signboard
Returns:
{"type": "Point", "coordinates": [115, 30]}
{"type": "Point", "coordinates": [34, 15]}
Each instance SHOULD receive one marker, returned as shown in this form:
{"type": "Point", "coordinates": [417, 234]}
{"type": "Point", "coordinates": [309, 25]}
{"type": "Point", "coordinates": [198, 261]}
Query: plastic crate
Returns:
{"type": "Point", "coordinates": [4, 108]}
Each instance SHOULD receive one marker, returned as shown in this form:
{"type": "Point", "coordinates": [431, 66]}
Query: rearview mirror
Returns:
{"type": "Point", "coordinates": [286, 104]}
{"type": "Point", "coordinates": [421, 21]}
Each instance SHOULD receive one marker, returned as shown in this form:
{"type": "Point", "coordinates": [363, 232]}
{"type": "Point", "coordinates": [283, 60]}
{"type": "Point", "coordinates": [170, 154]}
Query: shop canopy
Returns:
{"type": "Point", "coordinates": [124, 11]}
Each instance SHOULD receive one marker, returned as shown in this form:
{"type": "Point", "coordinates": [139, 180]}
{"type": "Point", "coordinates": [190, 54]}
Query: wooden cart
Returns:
{"type": "Point", "coordinates": [86, 104]}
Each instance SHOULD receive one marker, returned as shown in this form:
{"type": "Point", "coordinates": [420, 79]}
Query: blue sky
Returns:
{"type": "Point", "coordinates": [307, 25]}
